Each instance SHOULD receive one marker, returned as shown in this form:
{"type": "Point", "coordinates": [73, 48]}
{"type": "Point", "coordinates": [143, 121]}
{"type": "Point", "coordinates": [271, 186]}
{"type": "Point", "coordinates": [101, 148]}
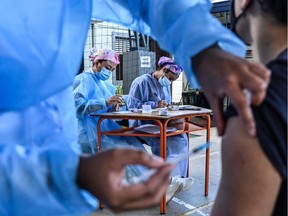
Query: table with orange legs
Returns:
{"type": "Point", "coordinates": [162, 121]}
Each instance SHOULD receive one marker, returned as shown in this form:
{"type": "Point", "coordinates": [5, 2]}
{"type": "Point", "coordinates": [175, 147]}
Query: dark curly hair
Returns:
{"type": "Point", "coordinates": [277, 8]}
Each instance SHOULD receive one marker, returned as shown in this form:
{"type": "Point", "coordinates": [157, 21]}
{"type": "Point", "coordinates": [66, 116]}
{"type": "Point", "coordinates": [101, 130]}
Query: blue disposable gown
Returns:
{"type": "Point", "coordinates": [39, 59]}
{"type": "Point", "coordinates": [90, 94]}
{"type": "Point", "coordinates": [183, 28]}
{"type": "Point", "coordinates": [39, 160]}
{"type": "Point", "coordinates": [147, 90]}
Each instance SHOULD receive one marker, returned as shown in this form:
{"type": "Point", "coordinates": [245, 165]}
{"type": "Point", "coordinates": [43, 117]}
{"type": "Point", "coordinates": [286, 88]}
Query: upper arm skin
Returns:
{"type": "Point", "coordinates": [249, 183]}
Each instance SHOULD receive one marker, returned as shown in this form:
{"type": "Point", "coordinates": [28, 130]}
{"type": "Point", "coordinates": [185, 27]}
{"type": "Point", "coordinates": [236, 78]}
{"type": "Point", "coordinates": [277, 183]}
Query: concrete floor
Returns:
{"type": "Point", "coordinates": [191, 202]}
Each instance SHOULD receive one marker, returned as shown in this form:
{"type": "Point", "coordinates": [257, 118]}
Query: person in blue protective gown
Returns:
{"type": "Point", "coordinates": [155, 89]}
{"type": "Point", "coordinates": [198, 47]}
{"type": "Point", "coordinates": [40, 164]}
{"type": "Point", "coordinates": [93, 93]}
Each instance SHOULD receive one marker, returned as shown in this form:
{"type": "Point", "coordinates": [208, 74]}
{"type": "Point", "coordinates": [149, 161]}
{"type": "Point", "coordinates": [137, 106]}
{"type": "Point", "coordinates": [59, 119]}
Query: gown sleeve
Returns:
{"type": "Point", "coordinates": [184, 28]}
{"type": "Point", "coordinates": [39, 158]}
{"type": "Point", "coordinates": [84, 104]}
{"type": "Point", "coordinates": [35, 180]}
{"type": "Point", "coordinates": [138, 94]}
{"type": "Point", "coordinates": [38, 60]}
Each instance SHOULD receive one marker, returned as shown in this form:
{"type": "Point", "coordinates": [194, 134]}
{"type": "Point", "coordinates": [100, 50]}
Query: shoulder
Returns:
{"type": "Point", "coordinates": [278, 83]}
{"type": "Point", "coordinates": [85, 76]}
{"type": "Point", "coordinates": [143, 79]}
{"type": "Point", "coordinates": [280, 61]}
{"type": "Point", "coordinates": [271, 122]}
{"type": "Point", "coordinates": [250, 182]}
{"type": "Point", "coordinates": [271, 116]}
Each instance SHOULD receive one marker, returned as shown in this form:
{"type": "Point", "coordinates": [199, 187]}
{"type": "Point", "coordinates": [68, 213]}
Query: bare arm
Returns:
{"type": "Point", "coordinates": [249, 184]}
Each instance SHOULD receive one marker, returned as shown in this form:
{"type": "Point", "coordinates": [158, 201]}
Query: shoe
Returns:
{"type": "Point", "coordinates": [172, 190]}
{"type": "Point", "coordinates": [185, 183]}
{"type": "Point", "coordinates": [178, 184]}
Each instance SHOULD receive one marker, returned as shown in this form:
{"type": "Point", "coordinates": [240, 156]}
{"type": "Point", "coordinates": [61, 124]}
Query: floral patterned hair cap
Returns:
{"type": "Point", "coordinates": [104, 54]}
{"type": "Point", "coordinates": [170, 64]}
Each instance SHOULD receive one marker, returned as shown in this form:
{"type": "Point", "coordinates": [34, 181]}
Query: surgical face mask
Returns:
{"type": "Point", "coordinates": [164, 81]}
{"type": "Point", "coordinates": [104, 74]}
{"type": "Point", "coordinates": [235, 20]}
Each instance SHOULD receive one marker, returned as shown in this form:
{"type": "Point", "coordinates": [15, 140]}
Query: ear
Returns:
{"type": "Point", "coordinates": [245, 3]}
{"type": "Point", "coordinates": [97, 65]}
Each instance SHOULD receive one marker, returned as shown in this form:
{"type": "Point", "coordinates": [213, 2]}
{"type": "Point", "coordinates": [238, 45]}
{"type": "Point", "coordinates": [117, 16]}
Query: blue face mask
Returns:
{"type": "Point", "coordinates": [104, 74]}
{"type": "Point", "coordinates": [164, 81]}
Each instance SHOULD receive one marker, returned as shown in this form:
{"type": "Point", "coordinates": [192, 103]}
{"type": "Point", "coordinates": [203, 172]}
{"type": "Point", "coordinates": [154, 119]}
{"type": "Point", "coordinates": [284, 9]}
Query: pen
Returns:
{"type": "Point", "coordinates": [158, 97]}
{"type": "Point", "coordinates": [147, 174]}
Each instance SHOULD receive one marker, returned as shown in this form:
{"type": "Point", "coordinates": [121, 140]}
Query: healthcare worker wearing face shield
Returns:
{"type": "Point", "coordinates": [155, 89]}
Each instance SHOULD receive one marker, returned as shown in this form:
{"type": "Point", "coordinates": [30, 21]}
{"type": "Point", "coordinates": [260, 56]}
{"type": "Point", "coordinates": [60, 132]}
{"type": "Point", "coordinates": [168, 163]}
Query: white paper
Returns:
{"type": "Point", "coordinates": [123, 112]}
{"type": "Point", "coordinates": [153, 129]}
{"type": "Point", "coordinates": [145, 61]}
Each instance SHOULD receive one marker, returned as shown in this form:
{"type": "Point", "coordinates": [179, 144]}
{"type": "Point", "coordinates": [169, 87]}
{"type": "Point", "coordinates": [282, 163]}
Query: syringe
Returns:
{"type": "Point", "coordinates": [147, 174]}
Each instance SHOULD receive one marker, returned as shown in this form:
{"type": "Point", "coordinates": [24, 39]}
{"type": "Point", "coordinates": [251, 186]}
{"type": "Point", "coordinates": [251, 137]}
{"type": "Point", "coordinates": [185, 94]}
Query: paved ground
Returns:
{"type": "Point", "coordinates": [191, 202]}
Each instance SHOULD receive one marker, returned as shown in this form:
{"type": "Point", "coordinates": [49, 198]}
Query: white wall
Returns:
{"type": "Point", "coordinates": [177, 89]}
